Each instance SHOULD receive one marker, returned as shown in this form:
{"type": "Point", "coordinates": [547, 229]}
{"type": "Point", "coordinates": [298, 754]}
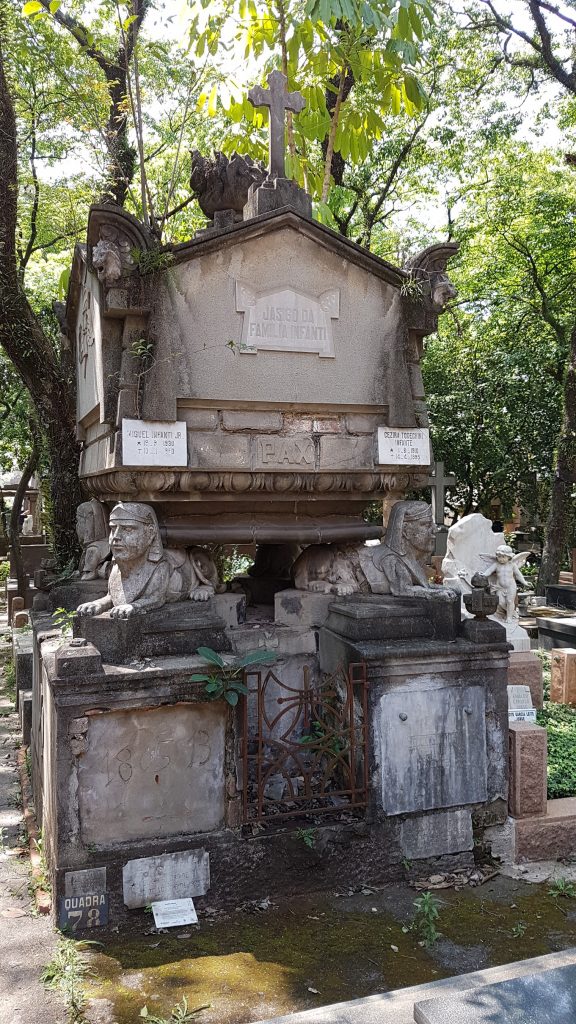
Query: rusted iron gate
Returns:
{"type": "Point", "coordinates": [304, 747]}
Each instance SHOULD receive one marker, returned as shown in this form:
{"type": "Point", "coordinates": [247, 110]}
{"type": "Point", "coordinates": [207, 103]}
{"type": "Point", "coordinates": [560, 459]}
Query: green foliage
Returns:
{"type": "Point", "coordinates": [559, 721]}
{"type": "Point", "coordinates": [320, 45]}
{"type": "Point", "coordinates": [493, 373]}
{"type": "Point", "coordinates": [321, 735]}
{"type": "Point", "coordinates": [518, 930]}
{"type": "Point", "coordinates": [561, 887]}
{"type": "Point", "coordinates": [65, 974]}
{"type": "Point", "coordinates": [307, 836]}
{"type": "Point", "coordinates": [227, 680]}
{"type": "Point", "coordinates": [4, 570]}
{"type": "Point", "coordinates": [180, 1014]}
{"type": "Point", "coordinates": [64, 620]}
{"type": "Point", "coordinates": [10, 679]}
{"type": "Point", "coordinates": [427, 909]}
{"type": "Point", "coordinates": [152, 260]}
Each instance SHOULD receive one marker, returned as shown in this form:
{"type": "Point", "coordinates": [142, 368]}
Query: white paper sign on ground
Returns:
{"type": "Point", "coordinates": [171, 913]}
{"type": "Point", "coordinates": [410, 447]}
{"type": "Point", "coordinates": [152, 443]}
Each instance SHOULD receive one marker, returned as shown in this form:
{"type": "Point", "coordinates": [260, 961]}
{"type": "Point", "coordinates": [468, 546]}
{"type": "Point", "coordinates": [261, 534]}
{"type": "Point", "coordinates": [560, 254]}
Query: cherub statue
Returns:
{"type": "Point", "coordinates": [505, 570]}
{"type": "Point", "coordinates": [92, 530]}
{"type": "Point", "coordinates": [144, 575]}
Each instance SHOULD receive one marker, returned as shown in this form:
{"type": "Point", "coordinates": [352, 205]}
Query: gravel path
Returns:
{"type": "Point", "coordinates": [27, 940]}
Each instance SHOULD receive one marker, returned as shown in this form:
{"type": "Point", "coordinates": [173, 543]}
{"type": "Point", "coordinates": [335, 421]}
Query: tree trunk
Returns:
{"type": "Point", "coordinates": [32, 353]}
{"type": "Point", "coordinates": [560, 513]}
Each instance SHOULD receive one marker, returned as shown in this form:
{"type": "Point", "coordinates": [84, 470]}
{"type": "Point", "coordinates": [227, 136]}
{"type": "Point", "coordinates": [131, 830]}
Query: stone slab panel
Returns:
{"type": "Point", "coordinates": [434, 835]}
{"type": "Point", "coordinates": [357, 423]}
{"type": "Point", "coordinates": [172, 876]}
{"type": "Point", "coordinates": [563, 675]}
{"type": "Point", "coordinates": [528, 769]}
{"type": "Point", "coordinates": [432, 747]}
{"type": "Point", "coordinates": [301, 608]}
{"type": "Point", "coordinates": [200, 419]}
{"type": "Point", "coordinates": [86, 882]}
{"type": "Point", "coordinates": [151, 773]}
{"type": "Point", "coordinates": [547, 998]}
{"type": "Point", "coordinates": [251, 420]}
{"type": "Point", "coordinates": [525, 669]}
{"type": "Point", "coordinates": [25, 708]}
{"type": "Point", "coordinates": [548, 837]}
{"type": "Point", "coordinates": [219, 451]}
{"type": "Point", "coordinates": [349, 453]}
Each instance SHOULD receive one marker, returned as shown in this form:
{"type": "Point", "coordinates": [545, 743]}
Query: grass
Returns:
{"type": "Point", "coordinates": [65, 974]}
{"type": "Point", "coordinates": [560, 723]}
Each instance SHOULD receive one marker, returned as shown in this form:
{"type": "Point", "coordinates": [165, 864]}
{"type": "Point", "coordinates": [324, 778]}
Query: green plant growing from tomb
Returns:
{"type": "Point", "coordinates": [180, 1014]}
{"type": "Point", "coordinates": [226, 680]}
{"type": "Point", "coordinates": [427, 910]}
{"type": "Point", "coordinates": [562, 887]}
{"type": "Point", "coordinates": [307, 836]}
{"type": "Point", "coordinates": [64, 620]}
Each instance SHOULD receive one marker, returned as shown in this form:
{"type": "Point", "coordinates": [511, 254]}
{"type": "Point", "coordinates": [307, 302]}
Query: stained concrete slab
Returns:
{"type": "Point", "coordinates": [544, 997]}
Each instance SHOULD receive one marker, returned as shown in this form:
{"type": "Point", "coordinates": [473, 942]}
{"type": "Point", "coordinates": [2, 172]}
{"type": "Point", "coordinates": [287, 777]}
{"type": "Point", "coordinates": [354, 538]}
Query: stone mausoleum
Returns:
{"type": "Point", "coordinates": [259, 384]}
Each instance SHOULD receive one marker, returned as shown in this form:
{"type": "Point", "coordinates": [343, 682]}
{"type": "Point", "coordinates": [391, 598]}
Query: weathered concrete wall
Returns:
{"type": "Point", "coordinates": [205, 358]}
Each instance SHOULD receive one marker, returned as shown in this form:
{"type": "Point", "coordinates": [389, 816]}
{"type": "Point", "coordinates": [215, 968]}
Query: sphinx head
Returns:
{"type": "Point", "coordinates": [134, 533]}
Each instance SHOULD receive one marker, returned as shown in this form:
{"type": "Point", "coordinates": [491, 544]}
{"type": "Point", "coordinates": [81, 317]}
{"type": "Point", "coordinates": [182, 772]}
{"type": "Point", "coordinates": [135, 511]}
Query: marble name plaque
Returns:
{"type": "Point", "coordinates": [285, 320]}
{"type": "Point", "coordinates": [152, 443]}
{"type": "Point", "coordinates": [520, 707]}
{"type": "Point", "coordinates": [410, 447]}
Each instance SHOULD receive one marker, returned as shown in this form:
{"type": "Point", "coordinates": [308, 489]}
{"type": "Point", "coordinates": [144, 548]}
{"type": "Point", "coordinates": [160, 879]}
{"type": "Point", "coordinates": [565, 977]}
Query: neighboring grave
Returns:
{"type": "Point", "coordinates": [563, 675]}
{"type": "Point", "coordinates": [520, 707]}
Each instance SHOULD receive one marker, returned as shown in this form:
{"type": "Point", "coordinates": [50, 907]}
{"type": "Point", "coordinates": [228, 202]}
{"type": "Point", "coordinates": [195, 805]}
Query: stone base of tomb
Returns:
{"type": "Point", "coordinates": [145, 787]}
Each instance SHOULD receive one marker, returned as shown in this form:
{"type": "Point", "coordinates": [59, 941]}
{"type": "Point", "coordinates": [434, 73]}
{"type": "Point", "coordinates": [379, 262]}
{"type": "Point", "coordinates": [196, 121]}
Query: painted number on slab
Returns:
{"type": "Point", "coordinates": [80, 912]}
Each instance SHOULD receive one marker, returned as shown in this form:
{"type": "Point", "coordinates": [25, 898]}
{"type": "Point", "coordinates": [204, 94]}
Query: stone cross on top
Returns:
{"type": "Point", "coordinates": [278, 100]}
{"type": "Point", "coordinates": [439, 482]}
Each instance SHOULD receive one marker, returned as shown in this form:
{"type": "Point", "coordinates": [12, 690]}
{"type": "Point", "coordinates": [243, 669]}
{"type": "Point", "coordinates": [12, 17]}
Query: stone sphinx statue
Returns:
{"type": "Point", "coordinates": [144, 575]}
{"type": "Point", "coordinates": [397, 566]}
{"type": "Point", "coordinates": [92, 530]}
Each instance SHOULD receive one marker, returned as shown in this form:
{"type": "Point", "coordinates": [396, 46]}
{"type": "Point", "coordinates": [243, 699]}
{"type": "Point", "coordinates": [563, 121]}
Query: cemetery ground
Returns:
{"type": "Point", "coordinates": [265, 959]}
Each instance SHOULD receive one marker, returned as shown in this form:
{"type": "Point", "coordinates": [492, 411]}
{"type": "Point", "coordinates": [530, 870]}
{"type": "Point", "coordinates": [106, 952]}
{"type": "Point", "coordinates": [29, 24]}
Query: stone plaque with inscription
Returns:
{"type": "Point", "coordinates": [433, 748]}
{"type": "Point", "coordinates": [410, 447]}
{"type": "Point", "coordinates": [151, 443]}
{"type": "Point", "coordinates": [274, 452]}
{"type": "Point", "coordinates": [286, 320]}
{"type": "Point", "coordinates": [520, 707]}
{"type": "Point", "coordinates": [154, 772]}
{"type": "Point", "coordinates": [168, 877]}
